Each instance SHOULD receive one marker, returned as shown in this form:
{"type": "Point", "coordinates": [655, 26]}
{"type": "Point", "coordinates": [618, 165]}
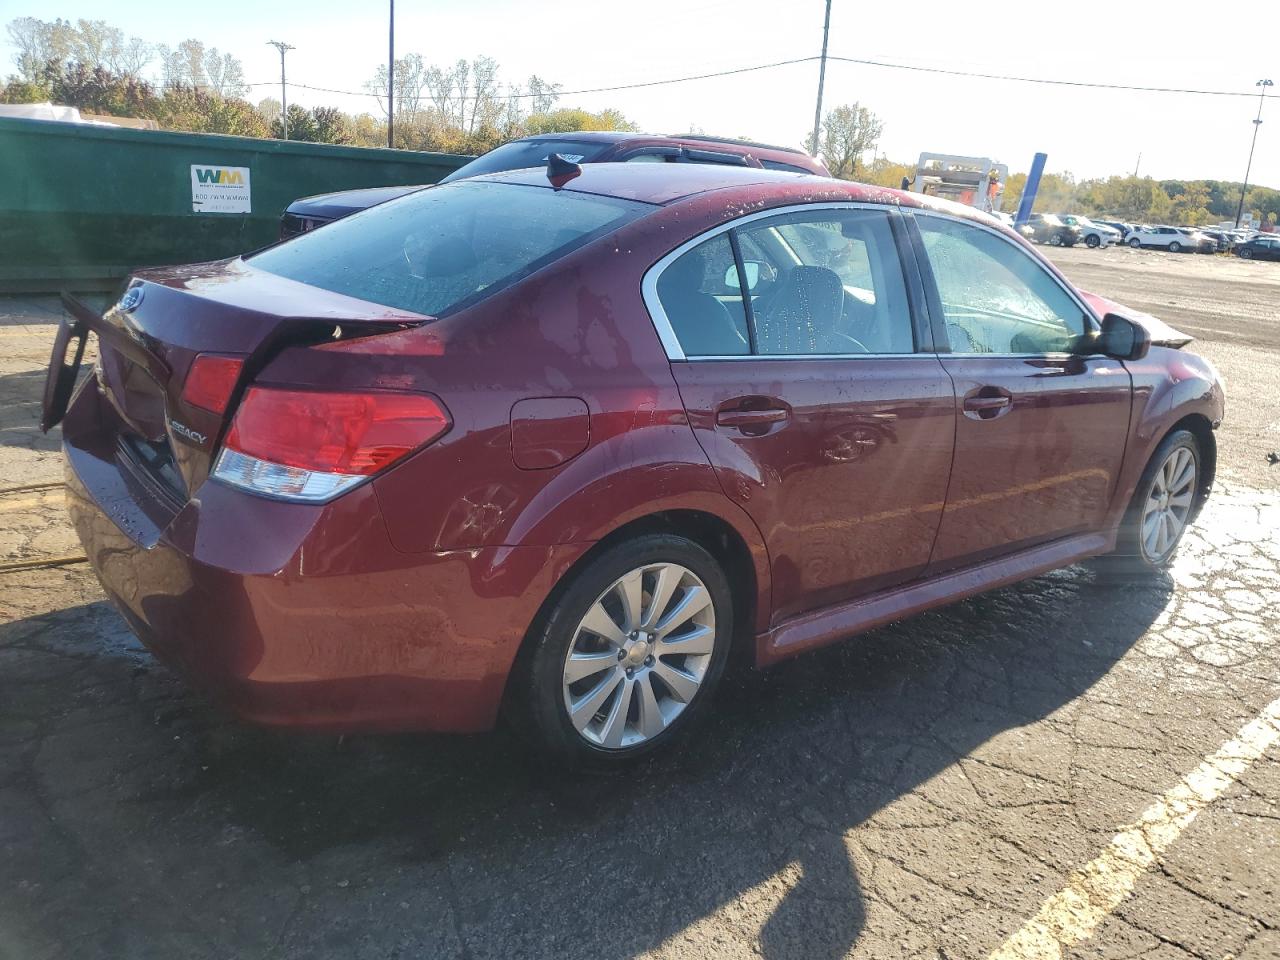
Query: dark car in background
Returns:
{"type": "Point", "coordinates": [1259, 248]}
{"type": "Point", "coordinates": [1051, 229]}
{"type": "Point", "coordinates": [1220, 240]}
{"type": "Point", "coordinates": [591, 147]}
{"type": "Point", "coordinates": [495, 449]}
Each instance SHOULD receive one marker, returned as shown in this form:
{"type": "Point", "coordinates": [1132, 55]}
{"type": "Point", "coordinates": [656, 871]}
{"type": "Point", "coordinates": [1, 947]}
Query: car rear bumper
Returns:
{"type": "Point", "coordinates": [301, 615]}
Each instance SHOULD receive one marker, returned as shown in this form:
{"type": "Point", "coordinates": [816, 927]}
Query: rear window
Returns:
{"type": "Point", "coordinates": [519, 154]}
{"type": "Point", "coordinates": [439, 250]}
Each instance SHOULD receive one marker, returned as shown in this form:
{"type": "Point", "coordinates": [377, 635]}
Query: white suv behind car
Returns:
{"type": "Point", "coordinates": [1094, 234]}
{"type": "Point", "coordinates": [1168, 238]}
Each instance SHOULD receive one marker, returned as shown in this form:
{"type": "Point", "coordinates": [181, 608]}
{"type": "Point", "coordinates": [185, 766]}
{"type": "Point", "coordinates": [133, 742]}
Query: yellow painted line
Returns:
{"type": "Point", "coordinates": [1095, 890]}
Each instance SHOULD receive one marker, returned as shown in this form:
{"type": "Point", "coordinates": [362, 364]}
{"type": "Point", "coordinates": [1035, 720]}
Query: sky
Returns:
{"type": "Point", "coordinates": [593, 43]}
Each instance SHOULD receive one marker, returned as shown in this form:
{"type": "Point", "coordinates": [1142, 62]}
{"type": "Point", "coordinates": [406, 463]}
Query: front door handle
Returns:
{"type": "Point", "coordinates": [987, 403]}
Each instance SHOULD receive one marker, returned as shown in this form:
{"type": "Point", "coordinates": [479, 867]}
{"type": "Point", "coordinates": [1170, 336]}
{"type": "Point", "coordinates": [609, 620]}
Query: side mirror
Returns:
{"type": "Point", "coordinates": [1122, 339]}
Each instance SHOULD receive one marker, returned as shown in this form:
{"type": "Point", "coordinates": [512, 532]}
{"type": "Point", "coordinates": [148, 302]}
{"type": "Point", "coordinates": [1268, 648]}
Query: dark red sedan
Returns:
{"type": "Point", "coordinates": [551, 449]}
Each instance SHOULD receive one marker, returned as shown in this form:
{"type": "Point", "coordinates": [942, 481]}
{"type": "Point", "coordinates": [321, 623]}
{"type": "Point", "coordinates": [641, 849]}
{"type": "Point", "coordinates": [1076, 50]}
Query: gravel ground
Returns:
{"type": "Point", "coordinates": [923, 791]}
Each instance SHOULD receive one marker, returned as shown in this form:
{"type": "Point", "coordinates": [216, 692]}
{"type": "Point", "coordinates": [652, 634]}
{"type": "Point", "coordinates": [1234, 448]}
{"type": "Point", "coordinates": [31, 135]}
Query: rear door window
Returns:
{"type": "Point", "coordinates": [818, 283]}
{"type": "Point", "coordinates": [437, 251]}
{"type": "Point", "coordinates": [828, 282]}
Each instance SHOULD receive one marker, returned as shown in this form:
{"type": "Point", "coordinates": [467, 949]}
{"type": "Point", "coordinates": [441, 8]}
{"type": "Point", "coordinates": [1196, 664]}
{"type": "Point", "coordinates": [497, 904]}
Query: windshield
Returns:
{"type": "Point", "coordinates": [437, 251]}
{"type": "Point", "coordinates": [519, 154]}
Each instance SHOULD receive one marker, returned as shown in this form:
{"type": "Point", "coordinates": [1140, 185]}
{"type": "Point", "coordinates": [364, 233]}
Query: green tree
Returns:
{"type": "Point", "coordinates": [302, 125]}
{"type": "Point", "coordinates": [1190, 206]}
{"type": "Point", "coordinates": [188, 108]}
{"type": "Point", "coordinates": [848, 132]}
{"type": "Point", "coordinates": [573, 120]}
{"type": "Point", "coordinates": [883, 172]}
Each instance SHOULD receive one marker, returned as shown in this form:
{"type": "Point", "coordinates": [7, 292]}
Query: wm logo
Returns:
{"type": "Point", "coordinates": [218, 175]}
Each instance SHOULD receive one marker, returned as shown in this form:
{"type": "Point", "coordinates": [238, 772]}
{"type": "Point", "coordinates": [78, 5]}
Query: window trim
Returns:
{"type": "Point", "coordinates": [924, 337]}
{"type": "Point", "coordinates": [942, 341]}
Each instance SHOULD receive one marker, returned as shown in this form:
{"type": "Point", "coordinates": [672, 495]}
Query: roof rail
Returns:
{"type": "Point", "coordinates": [738, 142]}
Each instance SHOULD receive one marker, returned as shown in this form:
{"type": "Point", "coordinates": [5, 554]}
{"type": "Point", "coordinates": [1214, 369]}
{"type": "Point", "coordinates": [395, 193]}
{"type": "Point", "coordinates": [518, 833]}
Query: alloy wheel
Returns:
{"type": "Point", "coordinates": [1168, 504]}
{"type": "Point", "coordinates": [639, 656]}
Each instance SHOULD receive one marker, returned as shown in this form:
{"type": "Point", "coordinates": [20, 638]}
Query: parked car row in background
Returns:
{"type": "Point", "coordinates": [1066, 230]}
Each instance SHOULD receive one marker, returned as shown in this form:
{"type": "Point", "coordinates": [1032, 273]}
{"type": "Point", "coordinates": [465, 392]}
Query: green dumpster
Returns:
{"type": "Point", "coordinates": [80, 205]}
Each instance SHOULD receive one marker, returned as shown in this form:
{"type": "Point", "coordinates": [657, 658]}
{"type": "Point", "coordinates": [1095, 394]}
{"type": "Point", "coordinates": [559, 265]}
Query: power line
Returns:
{"type": "Point", "coordinates": [786, 63]}
{"type": "Point", "coordinates": [1042, 80]}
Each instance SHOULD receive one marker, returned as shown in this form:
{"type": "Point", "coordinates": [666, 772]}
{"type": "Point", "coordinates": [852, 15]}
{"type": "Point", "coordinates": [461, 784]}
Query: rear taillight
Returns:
{"type": "Point", "coordinates": [211, 381]}
{"type": "Point", "coordinates": [313, 445]}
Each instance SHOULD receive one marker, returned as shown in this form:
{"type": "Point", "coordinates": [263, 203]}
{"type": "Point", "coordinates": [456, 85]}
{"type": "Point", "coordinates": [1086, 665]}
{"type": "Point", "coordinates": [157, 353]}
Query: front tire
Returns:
{"type": "Point", "coordinates": [1092, 240]}
{"type": "Point", "coordinates": [1161, 510]}
{"type": "Point", "coordinates": [1245, 253]}
{"type": "Point", "coordinates": [629, 654]}
{"type": "Point", "coordinates": [1135, 242]}
{"type": "Point", "coordinates": [1055, 240]}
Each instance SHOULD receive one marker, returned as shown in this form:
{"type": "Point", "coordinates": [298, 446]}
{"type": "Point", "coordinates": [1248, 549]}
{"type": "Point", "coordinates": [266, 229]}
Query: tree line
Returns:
{"type": "Point", "coordinates": [464, 107]}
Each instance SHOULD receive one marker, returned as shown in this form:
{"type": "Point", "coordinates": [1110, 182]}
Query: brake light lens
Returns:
{"type": "Point", "coordinates": [312, 445]}
{"type": "Point", "coordinates": [211, 380]}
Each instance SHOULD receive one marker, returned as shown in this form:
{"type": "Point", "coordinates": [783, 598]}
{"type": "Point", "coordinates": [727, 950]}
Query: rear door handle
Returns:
{"type": "Point", "coordinates": [979, 404]}
{"type": "Point", "coordinates": [750, 418]}
{"type": "Point", "coordinates": [987, 403]}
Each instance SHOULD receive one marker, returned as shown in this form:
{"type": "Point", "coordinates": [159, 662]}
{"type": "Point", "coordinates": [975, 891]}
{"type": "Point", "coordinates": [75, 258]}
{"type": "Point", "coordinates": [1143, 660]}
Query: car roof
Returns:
{"type": "Point", "coordinates": [619, 136]}
{"type": "Point", "coordinates": [665, 183]}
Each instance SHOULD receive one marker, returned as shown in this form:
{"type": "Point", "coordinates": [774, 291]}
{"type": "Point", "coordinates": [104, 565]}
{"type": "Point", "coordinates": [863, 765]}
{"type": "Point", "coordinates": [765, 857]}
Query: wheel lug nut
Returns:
{"type": "Point", "coordinates": [648, 661]}
{"type": "Point", "coordinates": [630, 671]}
{"type": "Point", "coordinates": [622, 654]}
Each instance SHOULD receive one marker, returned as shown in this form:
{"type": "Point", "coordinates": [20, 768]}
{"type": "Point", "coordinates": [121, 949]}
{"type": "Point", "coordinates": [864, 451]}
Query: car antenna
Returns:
{"type": "Point", "coordinates": [560, 171]}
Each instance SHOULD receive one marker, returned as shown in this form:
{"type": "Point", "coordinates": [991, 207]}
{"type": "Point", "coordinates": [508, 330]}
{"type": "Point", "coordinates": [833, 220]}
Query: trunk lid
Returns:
{"type": "Point", "coordinates": [169, 316]}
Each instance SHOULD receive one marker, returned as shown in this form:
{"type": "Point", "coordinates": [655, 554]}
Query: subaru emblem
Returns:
{"type": "Point", "coordinates": [132, 297]}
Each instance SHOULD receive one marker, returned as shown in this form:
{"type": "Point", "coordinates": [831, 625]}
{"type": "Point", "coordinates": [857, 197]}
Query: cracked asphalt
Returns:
{"type": "Point", "coordinates": [918, 792]}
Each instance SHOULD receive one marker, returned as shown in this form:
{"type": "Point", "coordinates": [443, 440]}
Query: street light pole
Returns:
{"type": "Point", "coordinates": [1249, 169]}
{"type": "Point", "coordinates": [391, 76]}
{"type": "Point", "coordinates": [822, 76]}
{"type": "Point", "coordinates": [284, 100]}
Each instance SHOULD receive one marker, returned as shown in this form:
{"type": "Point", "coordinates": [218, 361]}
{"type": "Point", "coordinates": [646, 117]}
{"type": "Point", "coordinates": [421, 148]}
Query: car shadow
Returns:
{"type": "Point", "coordinates": [512, 857]}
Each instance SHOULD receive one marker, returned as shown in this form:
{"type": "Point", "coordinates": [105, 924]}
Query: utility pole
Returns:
{"type": "Point", "coordinates": [284, 99]}
{"type": "Point", "coordinates": [822, 76]}
{"type": "Point", "coordinates": [391, 76]}
{"type": "Point", "coordinates": [1137, 166]}
{"type": "Point", "coordinates": [1249, 169]}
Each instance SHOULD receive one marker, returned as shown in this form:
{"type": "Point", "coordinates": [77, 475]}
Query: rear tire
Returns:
{"type": "Point", "coordinates": [1163, 505]}
{"type": "Point", "coordinates": [591, 700]}
{"type": "Point", "coordinates": [1175, 247]}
